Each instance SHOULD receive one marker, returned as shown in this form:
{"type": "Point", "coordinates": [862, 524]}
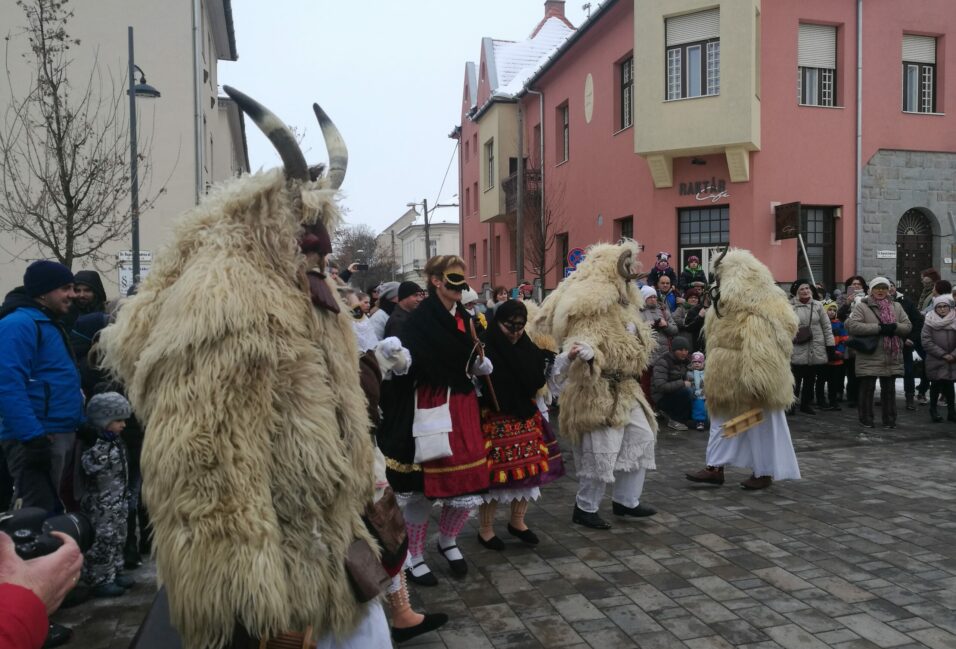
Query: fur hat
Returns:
{"type": "Point", "coordinates": [43, 276]}
{"type": "Point", "coordinates": [648, 291]}
{"type": "Point", "coordinates": [679, 342]}
{"type": "Point", "coordinates": [697, 357]}
{"type": "Point", "coordinates": [407, 289]}
{"type": "Point", "coordinates": [388, 290]}
{"type": "Point", "coordinates": [468, 296]}
{"type": "Point", "coordinates": [107, 407]}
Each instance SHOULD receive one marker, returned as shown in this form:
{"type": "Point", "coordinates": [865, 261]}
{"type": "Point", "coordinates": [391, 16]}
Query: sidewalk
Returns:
{"type": "Point", "coordinates": [861, 553]}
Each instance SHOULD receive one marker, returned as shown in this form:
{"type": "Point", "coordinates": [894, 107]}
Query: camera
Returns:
{"type": "Point", "coordinates": [30, 529]}
{"type": "Point", "coordinates": [361, 267]}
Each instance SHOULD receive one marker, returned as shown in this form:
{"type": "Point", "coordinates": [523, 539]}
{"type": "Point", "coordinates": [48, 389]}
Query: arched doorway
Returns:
{"type": "Point", "coordinates": [914, 250]}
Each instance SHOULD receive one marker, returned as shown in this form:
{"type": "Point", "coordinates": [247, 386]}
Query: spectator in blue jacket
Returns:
{"type": "Point", "coordinates": [41, 404]}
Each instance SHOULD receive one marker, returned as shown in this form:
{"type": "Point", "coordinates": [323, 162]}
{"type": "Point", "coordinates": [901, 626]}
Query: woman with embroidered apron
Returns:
{"type": "Point", "coordinates": [513, 425]}
{"type": "Point", "coordinates": [431, 432]}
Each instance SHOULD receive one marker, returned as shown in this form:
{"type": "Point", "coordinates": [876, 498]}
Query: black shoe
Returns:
{"type": "Point", "coordinates": [124, 581]}
{"type": "Point", "coordinates": [637, 512]}
{"type": "Point", "coordinates": [431, 622]}
{"type": "Point", "coordinates": [934, 414]}
{"type": "Point", "coordinates": [458, 567]}
{"type": "Point", "coordinates": [588, 519]}
{"type": "Point", "coordinates": [527, 536]}
{"type": "Point", "coordinates": [108, 590]}
{"type": "Point", "coordinates": [57, 635]}
{"type": "Point", "coordinates": [428, 579]}
{"type": "Point", "coordinates": [807, 409]}
{"type": "Point", "coordinates": [866, 424]}
{"type": "Point", "coordinates": [951, 415]}
{"type": "Point", "coordinates": [494, 543]}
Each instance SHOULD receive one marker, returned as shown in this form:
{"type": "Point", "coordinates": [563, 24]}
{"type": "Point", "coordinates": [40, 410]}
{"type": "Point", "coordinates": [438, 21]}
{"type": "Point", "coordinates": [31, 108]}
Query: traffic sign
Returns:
{"type": "Point", "coordinates": [575, 257]}
{"type": "Point", "coordinates": [568, 270]}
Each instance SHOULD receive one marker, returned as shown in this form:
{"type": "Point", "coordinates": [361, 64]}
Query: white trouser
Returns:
{"type": "Point", "coordinates": [628, 486]}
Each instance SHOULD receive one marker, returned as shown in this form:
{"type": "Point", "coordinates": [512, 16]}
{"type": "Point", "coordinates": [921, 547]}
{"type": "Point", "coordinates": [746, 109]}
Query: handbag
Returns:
{"type": "Point", "coordinates": [366, 574]}
{"type": "Point", "coordinates": [430, 429]}
{"type": "Point", "coordinates": [803, 335]}
{"type": "Point", "coordinates": [864, 344]}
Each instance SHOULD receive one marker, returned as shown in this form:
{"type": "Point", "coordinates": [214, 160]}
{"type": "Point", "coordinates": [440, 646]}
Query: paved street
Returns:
{"type": "Point", "coordinates": [859, 554]}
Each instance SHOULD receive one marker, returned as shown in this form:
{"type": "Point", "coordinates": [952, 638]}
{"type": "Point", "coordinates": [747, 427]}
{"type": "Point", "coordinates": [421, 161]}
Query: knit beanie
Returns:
{"type": "Point", "coordinates": [388, 290]}
{"type": "Point", "coordinates": [468, 296]}
{"type": "Point", "coordinates": [879, 281]}
{"type": "Point", "coordinates": [697, 357]}
{"type": "Point", "coordinates": [679, 342]}
{"type": "Point", "coordinates": [43, 276]}
{"type": "Point", "coordinates": [107, 407]}
{"type": "Point", "coordinates": [407, 289]}
{"type": "Point", "coordinates": [648, 291]}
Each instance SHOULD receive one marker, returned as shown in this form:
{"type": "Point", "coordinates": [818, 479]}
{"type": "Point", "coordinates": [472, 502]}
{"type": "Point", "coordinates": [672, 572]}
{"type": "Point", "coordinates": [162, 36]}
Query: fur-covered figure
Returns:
{"type": "Point", "coordinates": [257, 463]}
{"type": "Point", "coordinates": [594, 316]}
{"type": "Point", "coordinates": [597, 305]}
{"type": "Point", "coordinates": [749, 333]}
{"type": "Point", "coordinates": [750, 342]}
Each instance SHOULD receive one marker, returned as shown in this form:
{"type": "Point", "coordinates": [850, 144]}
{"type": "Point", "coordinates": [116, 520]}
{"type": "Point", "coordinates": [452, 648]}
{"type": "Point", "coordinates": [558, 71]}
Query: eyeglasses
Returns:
{"type": "Point", "coordinates": [514, 326]}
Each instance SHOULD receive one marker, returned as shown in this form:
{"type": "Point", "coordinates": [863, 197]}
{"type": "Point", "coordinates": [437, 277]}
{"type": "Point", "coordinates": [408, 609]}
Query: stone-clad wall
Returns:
{"type": "Point", "coordinates": [896, 181]}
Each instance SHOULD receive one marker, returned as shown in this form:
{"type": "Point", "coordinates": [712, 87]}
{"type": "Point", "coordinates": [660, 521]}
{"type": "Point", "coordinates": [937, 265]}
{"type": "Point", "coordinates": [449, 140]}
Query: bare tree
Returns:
{"type": "Point", "coordinates": [541, 228]}
{"type": "Point", "coordinates": [64, 166]}
{"type": "Point", "coordinates": [357, 243]}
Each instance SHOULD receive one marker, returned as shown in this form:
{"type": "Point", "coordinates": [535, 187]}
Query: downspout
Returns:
{"type": "Point", "coordinates": [519, 202]}
{"type": "Point", "coordinates": [197, 97]}
{"type": "Point", "coordinates": [540, 94]}
{"type": "Point", "coordinates": [859, 136]}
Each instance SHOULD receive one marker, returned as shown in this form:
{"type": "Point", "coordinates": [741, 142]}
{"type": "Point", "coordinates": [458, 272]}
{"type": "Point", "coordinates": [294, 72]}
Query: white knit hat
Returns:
{"type": "Point", "coordinates": [468, 296]}
{"type": "Point", "coordinates": [876, 281]}
{"type": "Point", "coordinates": [648, 291]}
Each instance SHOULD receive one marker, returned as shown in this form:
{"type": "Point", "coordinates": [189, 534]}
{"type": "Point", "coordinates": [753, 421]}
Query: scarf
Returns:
{"type": "Point", "coordinates": [887, 314]}
{"type": "Point", "coordinates": [440, 350]}
{"type": "Point", "coordinates": [518, 373]}
{"type": "Point", "coordinates": [934, 321]}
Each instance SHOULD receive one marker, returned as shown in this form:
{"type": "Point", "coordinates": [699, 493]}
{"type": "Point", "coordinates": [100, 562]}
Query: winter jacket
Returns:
{"type": "Point", "coordinates": [937, 343]}
{"type": "Point", "coordinates": [655, 275]}
{"type": "Point", "coordinates": [690, 323]}
{"type": "Point", "coordinates": [669, 298]}
{"type": "Point", "coordinates": [814, 351]}
{"type": "Point", "coordinates": [864, 320]}
{"type": "Point", "coordinates": [688, 277]}
{"type": "Point", "coordinates": [662, 335]}
{"type": "Point", "coordinates": [669, 375]}
{"type": "Point", "coordinates": [840, 337]}
{"type": "Point", "coordinates": [107, 473]}
{"type": "Point", "coordinates": [39, 382]}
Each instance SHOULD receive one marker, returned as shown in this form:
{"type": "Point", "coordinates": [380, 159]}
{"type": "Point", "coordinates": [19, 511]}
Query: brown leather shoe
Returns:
{"type": "Point", "coordinates": [708, 475]}
{"type": "Point", "coordinates": [753, 482]}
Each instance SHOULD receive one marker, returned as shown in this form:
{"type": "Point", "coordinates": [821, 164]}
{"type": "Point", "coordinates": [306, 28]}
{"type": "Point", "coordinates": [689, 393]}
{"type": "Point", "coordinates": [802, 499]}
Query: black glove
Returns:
{"type": "Point", "coordinates": [831, 353]}
{"type": "Point", "coordinates": [887, 329]}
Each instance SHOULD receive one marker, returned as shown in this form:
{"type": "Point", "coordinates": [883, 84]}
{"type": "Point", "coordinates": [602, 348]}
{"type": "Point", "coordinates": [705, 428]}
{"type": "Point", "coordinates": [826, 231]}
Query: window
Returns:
{"type": "Point", "coordinates": [816, 61]}
{"type": "Point", "coordinates": [513, 252]}
{"type": "Point", "coordinates": [467, 199]}
{"type": "Point", "coordinates": [693, 55]}
{"type": "Point", "coordinates": [432, 248]}
{"type": "Point", "coordinates": [536, 142]}
{"type": "Point", "coordinates": [706, 226]}
{"type": "Point", "coordinates": [624, 228]}
{"type": "Point", "coordinates": [564, 135]}
{"type": "Point", "coordinates": [473, 259]}
{"type": "Point", "coordinates": [497, 261]}
{"type": "Point", "coordinates": [817, 225]}
{"type": "Point", "coordinates": [474, 196]}
{"type": "Point", "coordinates": [627, 92]}
{"type": "Point", "coordinates": [562, 248]}
{"type": "Point", "coordinates": [489, 164]}
{"type": "Point", "coordinates": [484, 255]}
{"type": "Point", "coordinates": [466, 150]}
{"type": "Point", "coordinates": [919, 74]}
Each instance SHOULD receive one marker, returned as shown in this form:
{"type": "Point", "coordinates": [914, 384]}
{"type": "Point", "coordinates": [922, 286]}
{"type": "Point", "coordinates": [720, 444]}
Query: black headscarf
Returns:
{"type": "Point", "coordinates": [518, 368]}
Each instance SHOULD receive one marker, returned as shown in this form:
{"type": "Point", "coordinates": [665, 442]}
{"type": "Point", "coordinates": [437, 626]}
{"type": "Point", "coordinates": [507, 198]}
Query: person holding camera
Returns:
{"type": "Point", "coordinates": [31, 590]}
{"type": "Point", "coordinates": [107, 483]}
{"type": "Point", "coordinates": [41, 404]}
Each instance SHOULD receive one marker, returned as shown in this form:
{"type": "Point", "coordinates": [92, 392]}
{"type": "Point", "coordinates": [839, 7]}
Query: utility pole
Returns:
{"type": "Point", "coordinates": [427, 238]}
{"type": "Point", "coordinates": [134, 176]}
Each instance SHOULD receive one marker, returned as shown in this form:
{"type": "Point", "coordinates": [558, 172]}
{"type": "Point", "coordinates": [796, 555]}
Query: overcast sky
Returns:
{"type": "Point", "coordinates": [388, 72]}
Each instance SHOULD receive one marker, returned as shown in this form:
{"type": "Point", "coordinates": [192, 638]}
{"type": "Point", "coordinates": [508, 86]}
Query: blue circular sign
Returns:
{"type": "Point", "coordinates": [575, 257]}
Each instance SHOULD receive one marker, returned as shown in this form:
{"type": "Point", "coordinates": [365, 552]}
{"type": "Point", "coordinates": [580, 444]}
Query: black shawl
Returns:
{"type": "Point", "coordinates": [440, 353]}
{"type": "Point", "coordinates": [518, 371]}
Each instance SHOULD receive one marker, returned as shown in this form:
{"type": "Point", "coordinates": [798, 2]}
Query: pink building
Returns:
{"type": "Point", "coordinates": [688, 124]}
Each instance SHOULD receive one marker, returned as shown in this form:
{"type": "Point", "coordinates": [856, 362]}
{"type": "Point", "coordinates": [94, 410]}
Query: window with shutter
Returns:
{"type": "Point", "coordinates": [919, 74]}
{"type": "Point", "coordinates": [693, 54]}
{"type": "Point", "coordinates": [817, 62]}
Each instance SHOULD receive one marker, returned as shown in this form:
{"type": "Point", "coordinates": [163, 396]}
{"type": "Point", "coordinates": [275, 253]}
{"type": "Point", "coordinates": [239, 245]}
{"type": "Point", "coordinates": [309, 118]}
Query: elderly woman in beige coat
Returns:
{"type": "Point", "coordinates": [813, 345]}
{"type": "Point", "coordinates": [878, 315]}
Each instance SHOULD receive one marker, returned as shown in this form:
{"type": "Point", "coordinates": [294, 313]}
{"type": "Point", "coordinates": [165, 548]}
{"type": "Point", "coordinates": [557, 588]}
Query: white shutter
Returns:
{"type": "Point", "coordinates": [919, 49]}
{"type": "Point", "coordinates": [699, 26]}
{"type": "Point", "coordinates": [817, 46]}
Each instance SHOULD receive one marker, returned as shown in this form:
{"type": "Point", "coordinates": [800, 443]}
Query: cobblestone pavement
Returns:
{"type": "Point", "coordinates": [861, 553]}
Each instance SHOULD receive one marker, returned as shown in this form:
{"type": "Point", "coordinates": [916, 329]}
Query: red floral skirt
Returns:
{"type": "Point", "coordinates": [466, 470]}
{"type": "Point", "coordinates": [518, 454]}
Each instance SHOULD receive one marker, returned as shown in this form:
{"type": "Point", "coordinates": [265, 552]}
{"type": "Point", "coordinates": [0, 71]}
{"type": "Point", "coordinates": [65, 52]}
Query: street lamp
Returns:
{"type": "Point", "coordinates": [141, 89]}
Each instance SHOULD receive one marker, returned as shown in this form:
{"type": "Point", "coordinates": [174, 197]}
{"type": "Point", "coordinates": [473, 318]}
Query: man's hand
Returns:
{"type": "Point", "coordinates": [50, 577]}
{"type": "Point", "coordinates": [949, 358]}
{"type": "Point", "coordinates": [687, 384]}
{"type": "Point", "coordinates": [353, 267]}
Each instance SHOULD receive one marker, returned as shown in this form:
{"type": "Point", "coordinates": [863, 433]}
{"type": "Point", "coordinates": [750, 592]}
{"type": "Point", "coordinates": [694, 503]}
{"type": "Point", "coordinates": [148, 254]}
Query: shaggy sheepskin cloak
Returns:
{"type": "Point", "coordinates": [596, 305]}
{"type": "Point", "coordinates": [749, 345]}
{"type": "Point", "coordinates": [257, 461]}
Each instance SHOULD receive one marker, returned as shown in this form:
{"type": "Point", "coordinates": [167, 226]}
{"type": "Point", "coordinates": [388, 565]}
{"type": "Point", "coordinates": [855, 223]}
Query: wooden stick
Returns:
{"type": "Point", "coordinates": [740, 423]}
{"type": "Point", "coordinates": [480, 348]}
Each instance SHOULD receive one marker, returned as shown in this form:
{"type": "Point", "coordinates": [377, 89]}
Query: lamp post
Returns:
{"type": "Point", "coordinates": [141, 89]}
{"type": "Point", "coordinates": [424, 205]}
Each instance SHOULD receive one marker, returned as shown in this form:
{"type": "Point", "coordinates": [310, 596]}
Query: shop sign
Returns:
{"type": "Point", "coordinates": [711, 190]}
{"type": "Point", "coordinates": [886, 254]}
{"type": "Point", "coordinates": [786, 221]}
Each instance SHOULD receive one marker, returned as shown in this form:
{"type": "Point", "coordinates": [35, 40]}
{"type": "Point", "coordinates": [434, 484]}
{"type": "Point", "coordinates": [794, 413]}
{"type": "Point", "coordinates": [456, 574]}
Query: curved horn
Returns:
{"type": "Point", "coordinates": [622, 267]}
{"type": "Point", "coordinates": [338, 152]}
{"type": "Point", "coordinates": [721, 258]}
{"type": "Point", "coordinates": [278, 133]}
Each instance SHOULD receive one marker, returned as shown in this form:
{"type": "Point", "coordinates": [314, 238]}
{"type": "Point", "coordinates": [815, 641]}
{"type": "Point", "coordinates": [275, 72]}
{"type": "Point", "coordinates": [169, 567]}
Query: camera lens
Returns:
{"type": "Point", "coordinates": [75, 525]}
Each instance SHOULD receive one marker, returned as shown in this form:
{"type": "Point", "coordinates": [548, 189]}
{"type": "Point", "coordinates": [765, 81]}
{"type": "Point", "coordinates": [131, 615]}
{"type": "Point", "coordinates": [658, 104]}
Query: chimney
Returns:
{"type": "Point", "coordinates": [554, 9]}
